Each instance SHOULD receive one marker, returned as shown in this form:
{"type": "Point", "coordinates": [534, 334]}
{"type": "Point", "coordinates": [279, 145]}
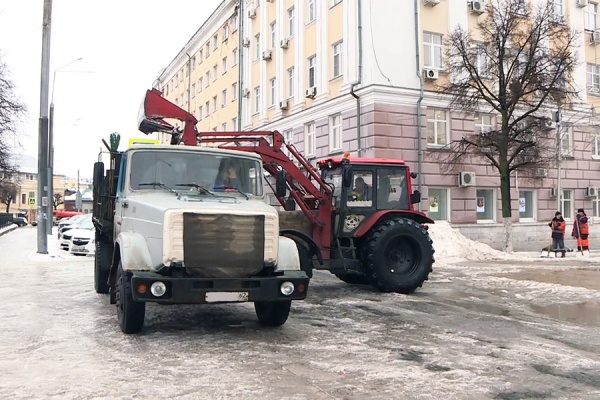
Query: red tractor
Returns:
{"type": "Point", "coordinates": [364, 228]}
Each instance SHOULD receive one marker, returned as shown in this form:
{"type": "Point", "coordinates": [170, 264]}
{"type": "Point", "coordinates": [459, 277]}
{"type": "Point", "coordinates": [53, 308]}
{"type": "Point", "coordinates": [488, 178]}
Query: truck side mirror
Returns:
{"type": "Point", "coordinates": [413, 175]}
{"type": "Point", "coordinates": [415, 197]}
{"type": "Point", "coordinates": [347, 176]}
{"type": "Point", "coordinates": [280, 184]}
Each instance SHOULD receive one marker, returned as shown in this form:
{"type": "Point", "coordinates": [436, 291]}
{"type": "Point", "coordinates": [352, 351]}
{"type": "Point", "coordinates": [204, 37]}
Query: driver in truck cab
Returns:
{"type": "Point", "coordinates": [361, 191]}
{"type": "Point", "coordinates": [227, 178]}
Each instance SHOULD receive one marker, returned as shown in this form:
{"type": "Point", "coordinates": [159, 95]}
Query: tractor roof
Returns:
{"type": "Point", "coordinates": [363, 160]}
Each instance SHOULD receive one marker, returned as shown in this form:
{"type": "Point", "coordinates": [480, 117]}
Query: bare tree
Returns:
{"type": "Point", "coordinates": [8, 192]}
{"type": "Point", "coordinates": [11, 113]}
{"type": "Point", "coordinates": [517, 65]}
{"type": "Point", "coordinates": [57, 200]}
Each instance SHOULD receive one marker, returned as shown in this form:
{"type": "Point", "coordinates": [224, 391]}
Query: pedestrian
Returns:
{"type": "Point", "coordinates": [559, 227]}
{"type": "Point", "coordinates": [581, 231]}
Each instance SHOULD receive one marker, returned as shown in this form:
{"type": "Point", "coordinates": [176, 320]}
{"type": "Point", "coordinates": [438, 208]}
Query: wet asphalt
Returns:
{"type": "Point", "coordinates": [527, 328]}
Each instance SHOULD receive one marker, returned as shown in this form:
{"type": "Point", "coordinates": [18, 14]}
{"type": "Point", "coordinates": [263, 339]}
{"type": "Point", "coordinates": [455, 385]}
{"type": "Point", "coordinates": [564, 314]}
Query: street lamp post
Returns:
{"type": "Point", "coordinates": [51, 152]}
{"type": "Point", "coordinates": [557, 119]}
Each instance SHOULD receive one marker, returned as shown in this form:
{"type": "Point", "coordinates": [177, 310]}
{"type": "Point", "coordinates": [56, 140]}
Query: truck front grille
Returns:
{"type": "Point", "coordinates": [223, 245]}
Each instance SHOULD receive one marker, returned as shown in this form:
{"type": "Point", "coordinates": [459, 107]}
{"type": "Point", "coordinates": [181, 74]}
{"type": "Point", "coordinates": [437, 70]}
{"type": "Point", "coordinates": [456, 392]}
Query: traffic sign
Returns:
{"type": "Point", "coordinates": [31, 201]}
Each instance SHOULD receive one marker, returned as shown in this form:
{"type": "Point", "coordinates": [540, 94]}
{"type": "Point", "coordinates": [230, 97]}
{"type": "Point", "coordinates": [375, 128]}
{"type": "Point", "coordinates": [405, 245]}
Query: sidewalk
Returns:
{"type": "Point", "coordinates": [5, 230]}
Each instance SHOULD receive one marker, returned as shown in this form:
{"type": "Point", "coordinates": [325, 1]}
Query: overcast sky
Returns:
{"type": "Point", "coordinates": [124, 45]}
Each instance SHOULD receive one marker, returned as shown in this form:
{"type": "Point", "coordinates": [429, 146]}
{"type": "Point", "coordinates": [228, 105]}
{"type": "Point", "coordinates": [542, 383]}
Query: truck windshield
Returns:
{"type": "Point", "coordinates": [207, 173]}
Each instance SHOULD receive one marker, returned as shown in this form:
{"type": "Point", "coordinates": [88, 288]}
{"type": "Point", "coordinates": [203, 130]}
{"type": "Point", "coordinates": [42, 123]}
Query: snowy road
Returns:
{"type": "Point", "coordinates": [525, 328]}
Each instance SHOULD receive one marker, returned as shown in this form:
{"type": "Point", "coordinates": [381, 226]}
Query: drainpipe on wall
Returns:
{"type": "Point", "coordinates": [358, 82]}
{"type": "Point", "coordinates": [420, 76]}
{"type": "Point", "coordinates": [189, 80]}
{"type": "Point", "coordinates": [240, 62]}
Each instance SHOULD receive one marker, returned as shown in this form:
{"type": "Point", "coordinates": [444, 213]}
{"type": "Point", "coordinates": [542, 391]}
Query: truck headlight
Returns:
{"type": "Point", "coordinates": [286, 288]}
{"type": "Point", "coordinates": [158, 289]}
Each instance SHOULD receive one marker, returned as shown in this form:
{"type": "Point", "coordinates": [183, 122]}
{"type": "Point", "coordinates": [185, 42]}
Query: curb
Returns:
{"type": "Point", "coordinates": [9, 229]}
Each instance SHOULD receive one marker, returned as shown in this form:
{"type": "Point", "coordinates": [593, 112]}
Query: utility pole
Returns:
{"type": "Point", "coordinates": [42, 197]}
{"type": "Point", "coordinates": [240, 63]}
{"type": "Point", "coordinates": [557, 119]}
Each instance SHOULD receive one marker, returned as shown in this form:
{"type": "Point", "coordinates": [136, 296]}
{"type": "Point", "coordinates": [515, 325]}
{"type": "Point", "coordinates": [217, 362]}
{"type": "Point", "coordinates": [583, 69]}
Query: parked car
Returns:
{"type": "Point", "coordinates": [65, 225]}
{"type": "Point", "coordinates": [67, 234]}
{"type": "Point", "coordinates": [20, 221]}
{"type": "Point", "coordinates": [82, 240]}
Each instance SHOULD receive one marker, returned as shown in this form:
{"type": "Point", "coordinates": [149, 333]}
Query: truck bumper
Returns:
{"type": "Point", "coordinates": [190, 290]}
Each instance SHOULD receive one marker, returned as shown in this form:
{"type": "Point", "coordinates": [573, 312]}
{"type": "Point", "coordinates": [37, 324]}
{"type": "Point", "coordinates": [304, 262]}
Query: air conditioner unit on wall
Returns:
{"type": "Point", "coordinates": [466, 179]}
{"type": "Point", "coordinates": [246, 93]}
{"type": "Point", "coordinates": [431, 74]}
{"type": "Point", "coordinates": [252, 13]}
{"type": "Point", "coordinates": [591, 191]}
{"type": "Point", "coordinates": [311, 92]}
{"type": "Point", "coordinates": [549, 123]}
{"type": "Point", "coordinates": [582, 3]}
{"type": "Point", "coordinates": [246, 42]}
{"type": "Point", "coordinates": [595, 37]}
{"type": "Point", "coordinates": [284, 105]}
{"type": "Point", "coordinates": [431, 3]}
{"type": "Point", "coordinates": [541, 173]}
{"type": "Point", "coordinates": [553, 192]}
{"type": "Point", "coordinates": [284, 43]}
{"type": "Point", "coordinates": [477, 6]}
{"type": "Point", "coordinates": [266, 55]}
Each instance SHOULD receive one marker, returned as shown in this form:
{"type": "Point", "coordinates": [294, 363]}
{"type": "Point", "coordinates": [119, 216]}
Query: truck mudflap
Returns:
{"type": "Point", "coordinates": [192, 290]}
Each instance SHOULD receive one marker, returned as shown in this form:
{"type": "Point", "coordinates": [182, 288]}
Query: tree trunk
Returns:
{"type": "Point", "coordinates": [7, 206]}
{"type": "Point", "coordinates": [506, 205]}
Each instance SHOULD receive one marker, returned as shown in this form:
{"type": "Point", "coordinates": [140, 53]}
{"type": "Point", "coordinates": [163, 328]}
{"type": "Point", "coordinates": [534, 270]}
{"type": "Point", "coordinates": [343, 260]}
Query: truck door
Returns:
{"type": "Point", "coordinates": [121, 200]}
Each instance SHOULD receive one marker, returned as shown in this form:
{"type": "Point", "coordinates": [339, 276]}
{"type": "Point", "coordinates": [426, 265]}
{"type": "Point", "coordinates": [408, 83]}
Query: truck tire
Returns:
{"type": "Point", "coordinates": [130, 313]}
{"type": "Point", "coordinates": [397, 256]}
{"type": "Point", "coordinates": [272, 313]}
{"type": "Point", "coordinates": [102, 261]}
{"type": "Point", "coordinates": [353, 279]}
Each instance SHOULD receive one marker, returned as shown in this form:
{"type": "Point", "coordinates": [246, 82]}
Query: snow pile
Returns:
{"type": "Point", "coordinates": [449, 243]}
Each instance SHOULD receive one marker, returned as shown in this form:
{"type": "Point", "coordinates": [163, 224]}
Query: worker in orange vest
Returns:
{"type": "Point", "coordinates": [559, 226]}
{"type": "Point", "coordinates": [581, 231]}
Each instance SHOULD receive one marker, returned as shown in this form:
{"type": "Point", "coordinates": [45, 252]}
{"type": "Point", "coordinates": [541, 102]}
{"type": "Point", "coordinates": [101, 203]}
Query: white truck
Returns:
{"type": "Point", "coordinates": [190, 225]}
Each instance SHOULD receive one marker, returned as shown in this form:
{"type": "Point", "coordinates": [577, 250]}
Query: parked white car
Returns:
{"type": "Point", "coordinates": [82, 241]}
{"type": "Point", "coordinates": [75, 230]}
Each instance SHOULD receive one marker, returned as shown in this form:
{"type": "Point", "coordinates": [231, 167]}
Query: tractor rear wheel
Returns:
{"type": "Point", "coordinates": [353, 279]}
{"type": "Point", "coordinates": [397, 256]}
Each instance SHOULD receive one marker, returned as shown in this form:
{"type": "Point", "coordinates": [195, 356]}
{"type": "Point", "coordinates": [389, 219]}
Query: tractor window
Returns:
{"type": "Point", "coordinates": [392, 189]}
{"type": "Point", "coordinates": [361, 194]}
{"type": "Point", "coordinates": [333, 177]}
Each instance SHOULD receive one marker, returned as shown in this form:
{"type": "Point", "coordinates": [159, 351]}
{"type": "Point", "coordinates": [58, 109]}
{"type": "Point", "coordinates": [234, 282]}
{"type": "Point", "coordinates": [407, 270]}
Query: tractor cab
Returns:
{"type": "Point", "coordinates": [368, 185]}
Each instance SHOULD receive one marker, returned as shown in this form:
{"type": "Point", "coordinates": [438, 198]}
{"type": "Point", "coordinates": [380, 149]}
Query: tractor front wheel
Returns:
{"type": "Point", "coordinates": [397, 256]}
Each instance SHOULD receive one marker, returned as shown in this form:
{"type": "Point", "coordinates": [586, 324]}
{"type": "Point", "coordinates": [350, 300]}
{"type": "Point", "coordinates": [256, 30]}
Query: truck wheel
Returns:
{"type": "Point", "coordinates": [272, 313]}
{"type": "Point", "coordinates": [353, 279]}
{"type": "Point", "coordinates": [102, 261]}
{"type": "Point", "coordinates": [130, 313]}
{"type": "Point", "coordinates": [398, 255]}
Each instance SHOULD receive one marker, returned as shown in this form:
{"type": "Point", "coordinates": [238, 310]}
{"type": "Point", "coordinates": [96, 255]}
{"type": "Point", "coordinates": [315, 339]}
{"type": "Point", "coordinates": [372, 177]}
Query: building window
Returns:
{"type": "Point", "coordinates": [257, 100]}
{"type": "Point", "coordinates": [485, 205]}
{"type": "Point", "coordinates": [593, 78]}
{"type": "Point", "coordinates": [335, 132]}
{"type": "Point", "coordinates": [310, 145]}
{"type": "Point", "coordinates": [437, 127]}
{"type": "Point", "coordinates": [200, 113]}
{"type": "Point", "coordinates": [482, 61]}
{"type": "Point", "coordinates": [193, 62]}
{"type": "Point", "coordinates": [288, 136]}
{"type": "Point", "coordinates": [596, 207]}
{"type": "Point", "coordinates": [23, 198]}
{"type": "Point", "coordinates": [234, 124]}
{"type": "Point", "coordinates": [438, 204]}
{"type": "Point", "coordinates": [224, 98]}
{"type": "Point", "coordinates": [224, 64]}
{"type": "Point", "coordinates": [273, 35]}
{"type": "Point", "coordinates": [257, 47]}
{"type": "Point", "coordinates": [207, 107]}
{"type": "Point", "coordinates": [225, 32]}
{"type": "Point", "coordinates": [434, 51]}
{"type": "Point", "coordinates": [215, 41]}
{"type": "Point", "coordinates": [566, 203]}
{"type": "Point", "coordinates": [234, 56]}
{"type": "Point", "coordinates": [312, 10]}
{"type": "Point", "coordinates": [214, 73]}
{"type": "Point", "coordinates": [596, 145]}
{"type": "Point", "coordinates": [290, 82]}
{"type": "Point", "coordinates": [200, 84]}
{"type": "Point", "coordinates": [338, 59]}
{"type": "Point", "coordinates": [214, 104]}
{"type": "Point", "coordinates": [224, 126]}
{"type": "Point", "coordinates": [526, 205]}
{"type": "Point", "coordinates": [193, 90]}
{"type": "Point", "coordinates": [557, 8]}
{"type": "Point", "coordinates": [200, 56]}
{"type": "Point", "coordinates": [234, 91]}
{"type": "Point", "coordinates": [312, 71]}
{"type": "Point", "coordinates": [273, 91]}
{"type": "Point", "coordinates": [591, 15]}
{"type": "Point", "coordinates": [208, 79]}
{"type": "Point", "coordinates": [566, 141]}
{"type": "Point", "coordinates": [291, 21]}
{"type": "Point", "coordinates": [484, 123]}
{"type": "Point", "coordinates": [234, 23]}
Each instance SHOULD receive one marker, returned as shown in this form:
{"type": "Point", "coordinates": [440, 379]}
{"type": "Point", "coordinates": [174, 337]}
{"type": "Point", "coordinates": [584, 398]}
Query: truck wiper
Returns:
{"type": "Point", "coordinates": [229, 188]}
{"type": "Point", "coordinates": [195, 185]}
{"type": "Point", "coordinates": [159, 184]}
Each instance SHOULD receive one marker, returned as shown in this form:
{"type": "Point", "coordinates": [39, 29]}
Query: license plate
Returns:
{"type": "Point", "coordinates": [78, 248]}
{"type": "Point", "coordinates": [213, 297]}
